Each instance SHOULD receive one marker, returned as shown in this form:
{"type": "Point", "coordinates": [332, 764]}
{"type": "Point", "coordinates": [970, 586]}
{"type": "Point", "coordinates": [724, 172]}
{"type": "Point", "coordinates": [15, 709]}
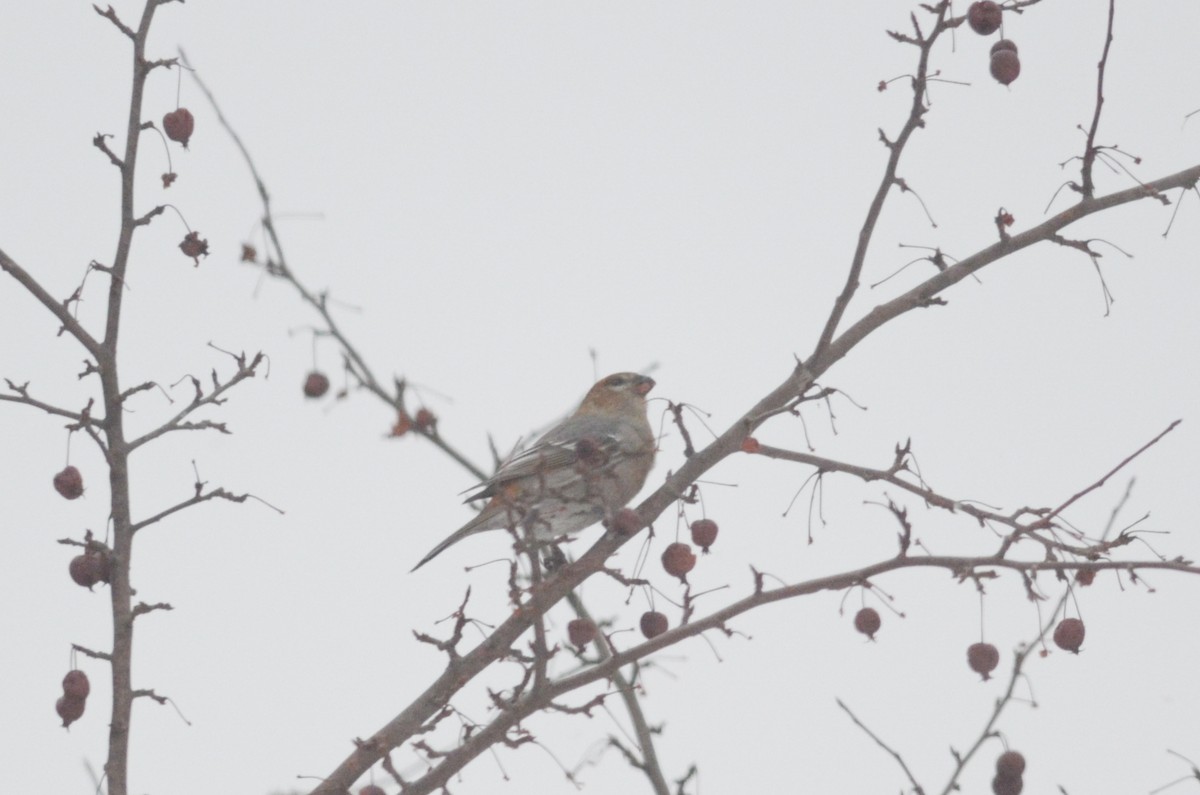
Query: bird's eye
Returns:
{"type": "Point", "coordinates": [617, 381]}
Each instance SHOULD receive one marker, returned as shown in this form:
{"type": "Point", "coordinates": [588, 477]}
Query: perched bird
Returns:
{"type": "Point", "coordinates": [582, 470]}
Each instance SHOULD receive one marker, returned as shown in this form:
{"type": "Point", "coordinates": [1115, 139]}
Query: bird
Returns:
{"type": "Point", "coordinates": [583, 470]}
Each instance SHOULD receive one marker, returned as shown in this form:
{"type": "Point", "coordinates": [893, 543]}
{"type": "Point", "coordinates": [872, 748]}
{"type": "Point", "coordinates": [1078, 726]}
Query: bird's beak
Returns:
{"type": "Point", "coordinates": [643, 385]}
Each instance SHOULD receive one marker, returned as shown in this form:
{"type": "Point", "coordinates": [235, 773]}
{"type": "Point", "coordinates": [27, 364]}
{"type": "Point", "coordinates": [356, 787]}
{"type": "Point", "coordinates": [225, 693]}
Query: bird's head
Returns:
{"type": "Point", "coordinates": [619, 392]}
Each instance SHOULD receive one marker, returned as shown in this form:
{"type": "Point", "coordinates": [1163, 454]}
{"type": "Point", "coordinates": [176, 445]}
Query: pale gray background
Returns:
{"type": "Point", "coordinates": [500, 189]}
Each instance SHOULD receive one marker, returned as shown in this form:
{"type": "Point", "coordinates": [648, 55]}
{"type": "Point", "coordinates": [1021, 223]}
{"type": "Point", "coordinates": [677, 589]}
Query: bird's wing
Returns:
{"type": "Point", "coordinates": [559, 449]}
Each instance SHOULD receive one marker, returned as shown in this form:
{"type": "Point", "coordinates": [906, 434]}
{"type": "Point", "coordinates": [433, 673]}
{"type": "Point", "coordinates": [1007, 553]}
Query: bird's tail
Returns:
{"type": "Point", "coordinates": [469, 529]}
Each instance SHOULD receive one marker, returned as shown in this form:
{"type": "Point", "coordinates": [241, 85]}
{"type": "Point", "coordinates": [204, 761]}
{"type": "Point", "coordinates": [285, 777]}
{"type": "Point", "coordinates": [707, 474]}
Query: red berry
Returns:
{"type": "Point", "coordinates": [1003, 44]}
{"type": "Point", "coordinates": [867, 622]}
{"type": "Point", "coordinates": [984, 17]}
{"type": "Point", "coordinates": [626, 522]}
{"type": "Point", "coordinates": [372, 789]}
{"type": "Point", "coordinates": [581, 631]}
{"type": "Point", "coordinates": [750, 445]}
{"type": "Point", "coordinates": [1007, 785]}
{"type": "Point", "coordinates": [1006, 66]}
{"type": "Point", "coordinates": [1069, 635]}
{"type": "Point", "coordinates": [178, 125]}
{"type": "Point", "coordinates": [678, 560]}
{"type": "Point", "coordinates": [69, 483]}
{"type": "Point", "coordinates": [88, 569]}
{"type": "Point", "coordinates": [425, 420]}
{"type": "Point", "coordinates": [653, 624]}
{"type": "Point", "coordinates": [316, 384]}
{"type": "Point", "coordinates": [69, 709]}
{"type": "Point", "coordinates": [76, 685]}
{"type": "Point", "coordinates": [1010, 763]}
{"type": "Point", "coordinates": [704, 533]}
{"type": "Point", "coordinates": [983, 658]}
{"type": "Point", "coordinates": [1085, 576]}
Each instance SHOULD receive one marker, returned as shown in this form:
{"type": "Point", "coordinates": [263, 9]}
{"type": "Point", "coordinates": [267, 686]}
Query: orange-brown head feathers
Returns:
{"type": "Point", "coordinates": [620, 393]}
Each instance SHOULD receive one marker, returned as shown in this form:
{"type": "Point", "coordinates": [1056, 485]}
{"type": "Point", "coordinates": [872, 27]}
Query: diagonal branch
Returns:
{"type": "Point", "coordinates": [177, 423]}
{"type": "Point", "coordinates": [916, 115]}
{"type": "Point", "coordinates": [57, 308]}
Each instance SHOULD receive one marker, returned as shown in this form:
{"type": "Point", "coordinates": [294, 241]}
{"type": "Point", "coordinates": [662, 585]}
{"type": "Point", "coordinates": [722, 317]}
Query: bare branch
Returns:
{"type": "Point", "coordinates": [213, 398]}
{"type": "Point", "coordinates": [1090, 150]}
{"type": "Point", "coordinates": [214, 494]}
{"type": "Point", "coordinates": [57, 308]}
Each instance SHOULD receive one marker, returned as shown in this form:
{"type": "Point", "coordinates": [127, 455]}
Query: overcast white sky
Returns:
{"type": "Point", "coordinates": [494, 190]}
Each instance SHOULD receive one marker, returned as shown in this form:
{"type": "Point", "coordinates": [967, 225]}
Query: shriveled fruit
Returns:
{"type": "Point", "coordinates": [88, 569]}
{"type": "Point", "coordinates": [704, 533]}
{"type": "Point", "coordinates": [372, 789]}
{"type": "Point", "coordinates": [70, 709]}
{"type": "Point", "coordinates": [179, 125]}
{"type": "Point", "coordinates": [653, 624]}
{"type": "Point", "coordinates": [1010, 763]}
{"type": "Point", "coordinates": [402, 425]}
{"type": "Point", "coordinates": [867, 622]}
{"type": "Point", "coordinates": [626, 522]}
{"type": "Point", "coordinates": [425, 420]}
{"type": "Point", "coordinates": [1007, 785]}
{"type": "Point", "coordinates": [69, 483]}
{"type": "Point", "coordinates": [983, 659]}
{"type": "Point", "coordinates": [1006, 66]}
{"type": "Point", "coordinates": [581, 631]}
{"type": "Point", "coordinates": [76, 685]}
{"type": "Point", "coordinates": [1068, 635]}
{"type": "Point", "coordinates": [1003, 44]}
{"type": "Point", "coordinates": [316, 384]}
{"type": "Point", "coordinates": [194, 246]}
{"type": "Point", "coordinates": [1085, 576]}
{"type": "Point", "coordinates": [678, 559]}
{"type": "Point", "coordinates": [984, 17]}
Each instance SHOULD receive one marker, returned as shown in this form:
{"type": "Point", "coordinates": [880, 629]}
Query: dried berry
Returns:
{"type": "Point", "coordinates": [983, 658]}
{"type": "Point", "coordinates": [653, 624]}
{"type": "Point", "coordinates": [581, 631]}
{"type": "Point", "coordinates": [1007, 785]}
{"type": "Point", "coordinates": [984, 17]}
{"type": "Point", "coordinates": [867, 622]}
{"type": "Point", "coordinates": [1085, 576]}
{"type": "Point", "coordinates": [88, 569]}
{"type": "Point", "coordinates": [192, 246]}
{"type": "Point", "coordinates": [69, 709]}
{"type": "Point", "coordinates": [1006, 66]}
{"type": "Point", "coordinates": [76, 685]}
{"type": "Point", "coordinates": [1069, 635]}
{"type": "Point", "coordinates": [425, 420]}
{"type": "Point", "coordinates": [69, 483]}
{"type": "Point", "coordinates": [372, 789]}
{"type": "Point", "coordinates": [178, 125]}
{"type": "Point", "coordinates": [678, 559]}
{"type": "Point", "coordinates": [402, 426]}
{"type": "Point", "coordinates": [1010, 763]}
{"type": "Point", "coordinates": [704, 533]}
{"type": "Point", "coordinates": [750, 445]}
{"type": "Point", "coordinates": [249, 253]}
{"type": "Point", "coordinates": [316, 384]}
{"type": "Point", "coordinates": [626, 522]}
{"type": "Point", "coordinates": [1003, 44]}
